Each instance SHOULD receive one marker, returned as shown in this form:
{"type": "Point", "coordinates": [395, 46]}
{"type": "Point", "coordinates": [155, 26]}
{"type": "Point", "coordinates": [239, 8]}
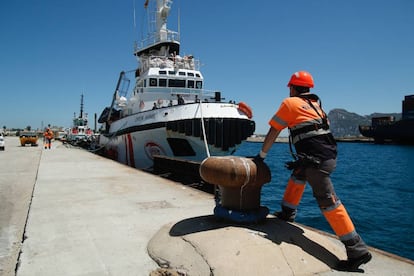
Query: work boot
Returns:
{"type": "Point", "coordinates": [357, 252]}
{"type": "Point", "coordinates": [352, 264]}
{"type": "Point", "coordinates": [287, 214]}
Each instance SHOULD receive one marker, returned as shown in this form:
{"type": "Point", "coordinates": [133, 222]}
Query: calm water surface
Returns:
{"type": "Point", "coordinates": [374, 182]}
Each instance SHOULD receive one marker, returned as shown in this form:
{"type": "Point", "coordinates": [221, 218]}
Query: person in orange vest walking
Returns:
{"type": "Point", "coordinates": [48, 136]}
{"type": "Point", "coordinates": [315, 160]}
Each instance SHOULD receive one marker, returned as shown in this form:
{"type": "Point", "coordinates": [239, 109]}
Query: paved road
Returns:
{"type": "Point", "coordinates": [18, 172]}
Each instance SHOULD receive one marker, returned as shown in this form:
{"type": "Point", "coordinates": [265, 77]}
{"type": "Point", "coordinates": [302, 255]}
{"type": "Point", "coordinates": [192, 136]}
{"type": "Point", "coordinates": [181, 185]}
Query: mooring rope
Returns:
{"type": "Point", "coordinates": [204, 129]}
{"type": "Point", "coordinates": [216, 188]}
{"type": "Point", "coordinates": [109, 139]}
{"type": "Point", "coordinates": [247, 168]}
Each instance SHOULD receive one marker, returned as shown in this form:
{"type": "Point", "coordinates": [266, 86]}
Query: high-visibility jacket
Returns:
{"type": "Point", "coordinates": [308, 126]}
{"type": "Point", "coordinates": [48, 134]}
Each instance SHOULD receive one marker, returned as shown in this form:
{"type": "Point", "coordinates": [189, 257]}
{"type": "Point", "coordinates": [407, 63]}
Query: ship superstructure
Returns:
{"type": "Point", "coordinates": [168, 112]}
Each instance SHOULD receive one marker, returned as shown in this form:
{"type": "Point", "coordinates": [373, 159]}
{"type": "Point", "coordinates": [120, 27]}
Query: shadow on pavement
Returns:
{"type": "Point", "coordinates": [276, 230]}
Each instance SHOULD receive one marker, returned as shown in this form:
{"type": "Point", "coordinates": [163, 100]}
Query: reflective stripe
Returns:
{"type": "Point", "coordinates": [298, 181]}
{"type": "Point", "coordinates": [349, 236]}
{"type": "Point", "coordinates": [287, 204]}
{"type": "Point", "coordinates": [307, 123]}
{"type": "Point", "coordinates": [330, 208]}
{"type": "Point", "coordinates": [310, 134]}
{"type": "Point", "coordinates": [279, 121]}
{"type": "Point", "coordinates": [319, 129]}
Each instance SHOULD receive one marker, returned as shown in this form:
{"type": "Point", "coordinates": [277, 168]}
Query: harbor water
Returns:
{"type": "Point", "coordinates": [374, 182]}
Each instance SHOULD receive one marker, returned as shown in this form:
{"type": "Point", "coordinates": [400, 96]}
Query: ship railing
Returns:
{"type": "Point", "coordinates": [189, 94]}
{"type": "Point", "coordinates": [163, 36]}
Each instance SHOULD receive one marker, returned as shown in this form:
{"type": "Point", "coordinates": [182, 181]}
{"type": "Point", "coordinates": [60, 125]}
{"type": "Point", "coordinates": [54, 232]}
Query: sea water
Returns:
{"type": "Point", "coordinates": [374, 182]}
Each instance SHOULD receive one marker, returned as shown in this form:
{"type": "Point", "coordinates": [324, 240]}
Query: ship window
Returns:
{"type": "Point", "coordinates": [181, 73]}
{"type": "Point", "coordinates": [145, 83]}
{"type": "Point", "coordinates": [162, 82]}
{"type": "Point", "coordinates": [163, 72]}
{"type": "Point", "coordinates": [199, 84]}
{"type": "Point", "coordinates": [153, 82]}
{"type": "Point", "coordinates": [190, 84]}
{"type": "Point", "coordinates": [198, 75]}
{"type": "Point", "coordinates": [190, 74]}
{"type": "Point", "coordinates": [176, 83]}
{"type": "Point", "coordinates": [171, 72]}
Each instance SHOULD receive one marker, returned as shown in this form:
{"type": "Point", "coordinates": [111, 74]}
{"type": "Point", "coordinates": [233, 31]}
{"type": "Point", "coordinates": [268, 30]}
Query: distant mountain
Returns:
{"type": "Point", "coordinates": [345, 124]}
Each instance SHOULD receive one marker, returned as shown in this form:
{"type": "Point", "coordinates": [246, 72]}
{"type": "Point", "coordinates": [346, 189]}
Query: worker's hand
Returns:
{"type": "Point", "coordinates": [292, 165]}
{"type": "Point", "coordinates": [258, 159]}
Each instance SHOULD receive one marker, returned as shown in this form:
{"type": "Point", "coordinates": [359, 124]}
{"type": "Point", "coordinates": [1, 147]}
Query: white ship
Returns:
{"type": "Point", "coordinates": [168, 112]}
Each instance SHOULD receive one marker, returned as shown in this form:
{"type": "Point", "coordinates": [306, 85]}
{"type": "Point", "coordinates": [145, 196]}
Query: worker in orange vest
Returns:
{"type": "Point", "coordinates": [48, 136]}
{"type": "Point", "coordinates": [315, 160]}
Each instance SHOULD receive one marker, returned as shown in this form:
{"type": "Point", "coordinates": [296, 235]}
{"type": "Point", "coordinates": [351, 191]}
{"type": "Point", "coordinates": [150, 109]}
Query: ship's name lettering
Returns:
{"type": "Point", "coordinates": [144, 117]}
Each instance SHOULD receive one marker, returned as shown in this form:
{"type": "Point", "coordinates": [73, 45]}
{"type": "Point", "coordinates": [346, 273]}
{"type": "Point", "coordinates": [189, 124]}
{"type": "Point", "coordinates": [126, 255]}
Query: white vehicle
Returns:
{"type": "Point", "coordinates": [2, 143]}
{"type": "Point", "coordinates": [169, 112]}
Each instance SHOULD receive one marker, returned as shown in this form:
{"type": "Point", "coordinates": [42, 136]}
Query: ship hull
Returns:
{"type": "Point", "coordinates": [400, 132]}
{"type": "Point", "coordinates": [177, 132]}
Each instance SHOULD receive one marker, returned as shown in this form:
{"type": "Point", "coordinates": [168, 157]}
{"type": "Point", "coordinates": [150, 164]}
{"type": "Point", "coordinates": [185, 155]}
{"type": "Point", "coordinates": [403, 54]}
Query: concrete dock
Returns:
{"type": "Point", "coordinates": [66, 211]}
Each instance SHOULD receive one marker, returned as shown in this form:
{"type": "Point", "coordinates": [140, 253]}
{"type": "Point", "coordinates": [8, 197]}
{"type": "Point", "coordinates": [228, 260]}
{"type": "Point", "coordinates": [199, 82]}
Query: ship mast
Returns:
{"type": "Point", "coordinates": [161, 39]}
{"type": "Point", "coordinates": [81, 107]}
{"type": "Point", "coordinates": [163, 10]}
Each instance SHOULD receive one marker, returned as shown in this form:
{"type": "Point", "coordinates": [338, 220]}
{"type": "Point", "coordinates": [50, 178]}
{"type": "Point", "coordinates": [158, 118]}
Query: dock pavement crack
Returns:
{"type": "Point", "coordinates": [199, 253]}
{"type": "Point", "coordinates": [24, 237]}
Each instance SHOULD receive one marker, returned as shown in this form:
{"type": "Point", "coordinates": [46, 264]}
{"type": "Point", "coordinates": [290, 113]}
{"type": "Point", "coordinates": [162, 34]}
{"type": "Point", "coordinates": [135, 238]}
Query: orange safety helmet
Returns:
{"type": "Point", "coordinates": [301, 78]}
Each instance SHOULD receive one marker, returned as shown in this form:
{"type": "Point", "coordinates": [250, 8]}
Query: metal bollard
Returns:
{"type": "Point", "coordinates": [240, 180]}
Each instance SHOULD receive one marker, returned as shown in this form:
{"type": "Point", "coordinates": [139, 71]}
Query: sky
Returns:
{"type": "Point", "coordinates": [360, 53]}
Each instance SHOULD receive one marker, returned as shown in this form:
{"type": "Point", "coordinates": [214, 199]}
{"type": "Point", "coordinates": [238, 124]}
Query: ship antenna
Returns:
{"type": "Point", "coordinates": [135, 21]}
{"type": "Point", "coordinates": [143, 17]}
{"type": "Point", "coordinates": [135, 25]}
{"type": "Point", "coordinates": [179, 22]}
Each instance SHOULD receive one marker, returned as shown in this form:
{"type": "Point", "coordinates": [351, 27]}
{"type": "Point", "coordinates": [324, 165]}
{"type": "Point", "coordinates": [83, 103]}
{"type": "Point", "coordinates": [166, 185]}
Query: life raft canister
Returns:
{"type": "Point", "coordinates": [243, 107]}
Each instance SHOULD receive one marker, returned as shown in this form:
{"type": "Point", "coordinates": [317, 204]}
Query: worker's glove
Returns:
{"type": "Point", "coordinates": [305, 161]}
{"type": "Point", "coordinates": [292, 165]}
{"type": "Point", "coordinates": [260, 157]}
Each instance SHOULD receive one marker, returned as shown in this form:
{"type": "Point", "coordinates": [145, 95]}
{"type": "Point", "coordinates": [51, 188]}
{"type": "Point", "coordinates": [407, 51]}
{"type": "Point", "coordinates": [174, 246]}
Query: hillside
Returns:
{"type": "Point", "coordinates": [345, 124]}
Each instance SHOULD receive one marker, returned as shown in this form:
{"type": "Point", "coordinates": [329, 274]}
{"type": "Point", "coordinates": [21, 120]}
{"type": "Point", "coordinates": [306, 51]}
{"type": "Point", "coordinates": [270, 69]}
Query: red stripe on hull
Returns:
{"type": "Point", "coordinates": [130, 148]}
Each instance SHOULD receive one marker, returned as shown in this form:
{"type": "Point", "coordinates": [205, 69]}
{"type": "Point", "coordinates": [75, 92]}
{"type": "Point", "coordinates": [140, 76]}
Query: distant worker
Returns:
{"type": "Point", "coordinates": [48, 136]}
{"type": "Point", "coordinates": [154, 106]}
{"type": "Point", "coordinates": [315, 160]}
{"type": "Point", "coordinates": [180, 99]}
